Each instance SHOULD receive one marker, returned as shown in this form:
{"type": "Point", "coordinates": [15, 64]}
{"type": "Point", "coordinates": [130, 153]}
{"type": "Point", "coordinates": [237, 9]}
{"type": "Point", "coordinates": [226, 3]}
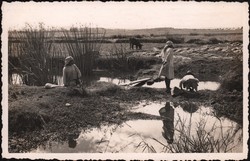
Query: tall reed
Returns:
{"type": "Point", "coordinates": [34, 53]}
{"type": "Point", "coordinates": [121, 59]}
{"type": "Point", "coordinates": [214, 140]}
{"type": "Point", "coordinates": [83, 44]}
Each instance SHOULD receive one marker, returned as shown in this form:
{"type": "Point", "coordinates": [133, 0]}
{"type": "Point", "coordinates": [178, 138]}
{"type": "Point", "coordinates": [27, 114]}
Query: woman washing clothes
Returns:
{"type": "Point", "coordinates": [71, 73]}
{"type": "Point", "coordinates": [168, 64]}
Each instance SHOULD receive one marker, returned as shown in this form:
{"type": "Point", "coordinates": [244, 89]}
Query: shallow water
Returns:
{"type": "Point", "coordinates": [16, 79]}
{"type": "Point", "coordinates": [113, 138]}
{"type": "Point", "coordinates": [139, 136]}
{"type": "Point", "coordinates": [207, 85]}
{"type": "Point", "coordinates": [113, 80]}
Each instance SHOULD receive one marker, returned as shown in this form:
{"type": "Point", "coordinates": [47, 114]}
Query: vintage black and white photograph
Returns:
{"type": "Point", "coordinates": [125, 80]}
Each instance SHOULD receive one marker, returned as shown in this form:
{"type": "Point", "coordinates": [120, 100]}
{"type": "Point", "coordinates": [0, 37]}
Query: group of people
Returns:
{"type": "Point", "coordinates": [72, 74]}
{"type": "Point", "coordinates": [188, 82]}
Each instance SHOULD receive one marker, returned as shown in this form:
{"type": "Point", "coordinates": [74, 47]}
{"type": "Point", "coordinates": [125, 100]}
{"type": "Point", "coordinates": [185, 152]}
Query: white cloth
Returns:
{"type": "Point", "coordinates": [186, 77]}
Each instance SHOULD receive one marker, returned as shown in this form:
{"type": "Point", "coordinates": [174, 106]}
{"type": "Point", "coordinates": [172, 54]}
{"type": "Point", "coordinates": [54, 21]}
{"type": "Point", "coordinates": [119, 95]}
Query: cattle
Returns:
{"type": "Point", "coordinates": [135, 42]}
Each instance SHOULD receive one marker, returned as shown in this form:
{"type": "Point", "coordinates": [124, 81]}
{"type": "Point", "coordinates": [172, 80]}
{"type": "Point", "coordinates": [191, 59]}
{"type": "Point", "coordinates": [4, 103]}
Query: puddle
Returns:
{"type": "Point", "coordinates": [189, 118]}
{"type": "Point", "coordinates": [208, 85]}
{"type": "Point", "coordinates": [148, 107]}
{"type": "Point", "coordinates": [113, 80]}
{"type": "Point", "coordinates": [114, 139]}
{"type": "Point", "coordinates": [146, 136]}
{"type": "Point", "coordinates": [213, 86]}
{"type": "Point", "coordinates": [16, 79]}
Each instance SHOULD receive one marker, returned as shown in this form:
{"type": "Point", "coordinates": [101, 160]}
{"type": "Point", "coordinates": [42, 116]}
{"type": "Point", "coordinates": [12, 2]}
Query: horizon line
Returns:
{"type": "Point", "coordinates": [208, 28]}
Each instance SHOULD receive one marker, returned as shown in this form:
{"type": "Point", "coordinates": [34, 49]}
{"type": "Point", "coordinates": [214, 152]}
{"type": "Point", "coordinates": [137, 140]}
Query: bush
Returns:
{"type": "Point", "coordinates": [34, 54]}
{"type": "Point", "coordinates": [193, 34]}
{"type": "Point", "coordinates": [233, 79]}
{"type": "Point", "coordinates": [214, 41]}
{"type": "Point", "coordinates": [176, 40]}
{"type": "Point", "coordinates": [129, 63]}
{"type": "Point", "coordinates": [197, 41]}
{"type": "Point", "coordinates": [86, 50]}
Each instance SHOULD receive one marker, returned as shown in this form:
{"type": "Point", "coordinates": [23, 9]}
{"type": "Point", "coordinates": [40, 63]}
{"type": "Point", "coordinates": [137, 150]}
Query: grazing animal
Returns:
{"type": "Point", "coordinates": [189, 82]}
{"type": "Point", "coordinates": [135, 42]}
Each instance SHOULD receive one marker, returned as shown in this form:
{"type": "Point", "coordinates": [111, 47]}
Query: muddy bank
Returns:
{"type": "Point", "coordinates": [51, 114]}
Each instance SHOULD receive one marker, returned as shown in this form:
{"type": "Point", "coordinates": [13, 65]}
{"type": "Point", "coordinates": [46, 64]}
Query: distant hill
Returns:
{"type": "Point", "coordinates": [140, 33]}
{"type": "Point", "coordinates": [169, 31]}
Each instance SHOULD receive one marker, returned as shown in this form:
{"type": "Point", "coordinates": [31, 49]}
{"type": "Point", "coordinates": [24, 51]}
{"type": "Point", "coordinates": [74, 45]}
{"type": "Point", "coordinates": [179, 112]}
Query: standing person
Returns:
{"type": "Point", "coordinates": [168, 64]}
{"type": "Point", "coordinates": [71, 73]}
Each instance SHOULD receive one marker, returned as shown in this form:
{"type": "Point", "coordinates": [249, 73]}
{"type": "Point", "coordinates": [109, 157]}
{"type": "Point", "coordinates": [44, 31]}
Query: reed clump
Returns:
{"type": "Point", "coordinates": [37, 55]}
{"type": "Point", "coordinates": [83, 44]}
{"type": "Point", "coordinates": [34, 54]}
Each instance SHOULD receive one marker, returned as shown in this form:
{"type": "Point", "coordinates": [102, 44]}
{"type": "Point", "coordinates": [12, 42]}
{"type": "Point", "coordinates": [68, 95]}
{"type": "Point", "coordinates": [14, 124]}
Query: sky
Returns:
{"type": "Point", "coordinates": [125, 15]}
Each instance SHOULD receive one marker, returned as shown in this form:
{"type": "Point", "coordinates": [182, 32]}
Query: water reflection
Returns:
{"type": "Point", "coordinates": [183, 127]}
{"type": "Point", "coordinates": [167, 114]}
{"type": "Point", "coordinates": [16, 79]}
{"type": "Point", "coordinates": [113, 80]}
{"type": "Point", "coordinates": [189, 107]}
{"type": "Point", "coordinates": [190, 121]}
{"type": "Point", "coordinates": [72, 141]}
{"type": "Point", "coordinates": [131, 136]}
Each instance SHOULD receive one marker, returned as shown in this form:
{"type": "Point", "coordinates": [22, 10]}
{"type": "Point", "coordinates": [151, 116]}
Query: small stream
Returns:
{"type": "Point", "coordinates": [207, 85]}
{"type": "Point", "coordinates": [203, 85]}
{"type": "Point", "coordinates": [146, 136]}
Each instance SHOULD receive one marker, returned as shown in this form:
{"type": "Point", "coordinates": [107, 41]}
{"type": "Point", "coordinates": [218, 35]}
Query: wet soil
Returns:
{"type": "Point", "coordinates": [38, 115]}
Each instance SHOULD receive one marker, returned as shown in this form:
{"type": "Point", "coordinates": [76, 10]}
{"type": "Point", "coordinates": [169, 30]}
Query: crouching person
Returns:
{"type": "Point", "coordinates": [71, 73]}
{"type": "Point", "coordinates": [189, 82]}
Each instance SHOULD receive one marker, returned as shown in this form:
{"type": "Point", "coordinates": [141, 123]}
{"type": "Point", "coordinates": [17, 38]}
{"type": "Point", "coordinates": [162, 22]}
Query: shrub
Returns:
{"type": "Point", "coordinates": [197, 41]}
{"type": "Point", "coordinates": [193, 34]}
{"type": "Point", "coordinates": [214, 41]}
{"type": "Point", "coordinates": [34, 54]}
{"type": "Point", "coordinates": [233, 79]}
{"type": "Point", "coordinates": [175, 39]}
{"type": "Point", "coordinates": [83, 47]}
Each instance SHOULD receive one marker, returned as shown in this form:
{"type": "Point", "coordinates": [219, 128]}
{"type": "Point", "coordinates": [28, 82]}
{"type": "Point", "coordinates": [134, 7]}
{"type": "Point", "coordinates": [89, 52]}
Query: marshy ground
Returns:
{"type": "Point", "coordinates": [38, 115]}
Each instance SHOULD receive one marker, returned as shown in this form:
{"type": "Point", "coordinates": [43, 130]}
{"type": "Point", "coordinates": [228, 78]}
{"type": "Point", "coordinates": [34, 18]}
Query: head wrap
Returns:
{"type": "Point", "coordinates": [68, 60]}
{"type": "Point", "coordinates": [169, 43]}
